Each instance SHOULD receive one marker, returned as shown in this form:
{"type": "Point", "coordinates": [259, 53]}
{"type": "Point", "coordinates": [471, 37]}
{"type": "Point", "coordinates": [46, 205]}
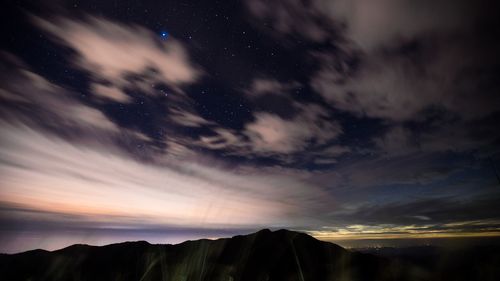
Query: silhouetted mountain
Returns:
{"type": "Point", "coordinates": [264, 255]}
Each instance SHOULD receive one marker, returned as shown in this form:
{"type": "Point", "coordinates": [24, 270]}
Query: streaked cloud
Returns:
{"type": "Point", "coordinates": [400, 86]}
{"type": "Point", "coordinates": [262, 86]}
{"type": "Point", "coordinates": [111, 50]}
{"type": "Point", "coordinates": [372, 24]}
{"type": "Point", "coordinates": [49, 174]}
{"type": "Point", "coordinates": [110, 92]}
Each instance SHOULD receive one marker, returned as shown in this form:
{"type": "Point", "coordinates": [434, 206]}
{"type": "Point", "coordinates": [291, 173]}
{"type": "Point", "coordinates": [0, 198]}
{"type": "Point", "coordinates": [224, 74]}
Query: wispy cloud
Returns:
{"type": "Point", "coordinates": [50, 174]}
{"type": "Point", "coordinates": [111, 51]}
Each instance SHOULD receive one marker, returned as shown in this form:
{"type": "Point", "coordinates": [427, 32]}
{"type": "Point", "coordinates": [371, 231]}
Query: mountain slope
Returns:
{"type": "Point", "coordinates": [264, 255]}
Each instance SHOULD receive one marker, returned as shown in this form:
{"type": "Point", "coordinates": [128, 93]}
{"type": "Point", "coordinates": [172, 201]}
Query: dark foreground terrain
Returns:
{"type": "Point", "coordinates": [465, 262]}
{"type": "Point", "coordinates": [265, 255]}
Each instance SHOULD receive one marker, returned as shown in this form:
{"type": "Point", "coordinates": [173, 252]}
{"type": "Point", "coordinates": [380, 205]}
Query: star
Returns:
{"type": "Point", "coordinates": [164, 34]}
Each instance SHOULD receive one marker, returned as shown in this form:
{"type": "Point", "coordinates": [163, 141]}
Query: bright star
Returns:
{"type": "Point", "coordinates": [164, 34]}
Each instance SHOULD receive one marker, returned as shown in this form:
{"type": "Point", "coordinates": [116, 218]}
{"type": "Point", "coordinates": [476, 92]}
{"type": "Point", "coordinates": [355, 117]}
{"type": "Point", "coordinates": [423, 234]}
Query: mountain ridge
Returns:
{"type": "Point", "coordinates": [264, 255]}
{"type": "Point", "coordinates": [156, 244]}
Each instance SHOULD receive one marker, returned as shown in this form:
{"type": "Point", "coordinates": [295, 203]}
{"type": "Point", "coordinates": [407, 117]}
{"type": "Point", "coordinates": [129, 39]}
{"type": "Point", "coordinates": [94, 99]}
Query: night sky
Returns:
{"type": "Point", "coordinates": [173, 120]}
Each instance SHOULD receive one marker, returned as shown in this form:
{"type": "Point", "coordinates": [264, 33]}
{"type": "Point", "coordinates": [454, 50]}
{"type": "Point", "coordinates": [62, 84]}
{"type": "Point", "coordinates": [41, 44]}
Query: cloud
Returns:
{"type": "Point", "coordinates": [417, 170]}
{"type": "Point", "coordinates": [372, 24]}
{"type": "Point", "coordinates": [188, 119]}
{"type": "Point", "coordinates": [442, 212]}
{"type": "Point", "coordinates": [438, 136]}
{"type": "Point", "coordinates": [397, 60]}
{"type": "Point", "coordinates": [368, 24]}
{"type": "Point", "coordinates": [268, 135]}
{"type": "Point", "coordinates": [222, 139]}
{"type": "Point", "coordinates": [437, 73]}
{"type": "Point", "coordinates": [441, 217]}
{"type": "Point", "coordinates": [329, 154]}
{"type": "Point", "coordinates": [110, 92]}
{"type": "Point", "coordinates": [76, 168]}
{"type": "Point", "coordinates": [111, 50]}
{"type": "Point", "coordinates": [397, 141]}
{"type": "Point", "coordinates": [103, 48]}
{"type": "Point", "coordinates": [31, 99]}
{"type": "Point", "coordinates": [23, 228]}
{"type": "Point", "coordinates": [50, 174]}
{"type": "Point", "coordinates": [271, 135]}
{"type": "Point", "coordinates": [267, 86]}
{"type": "Point", "coordinates": [382, 88]}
